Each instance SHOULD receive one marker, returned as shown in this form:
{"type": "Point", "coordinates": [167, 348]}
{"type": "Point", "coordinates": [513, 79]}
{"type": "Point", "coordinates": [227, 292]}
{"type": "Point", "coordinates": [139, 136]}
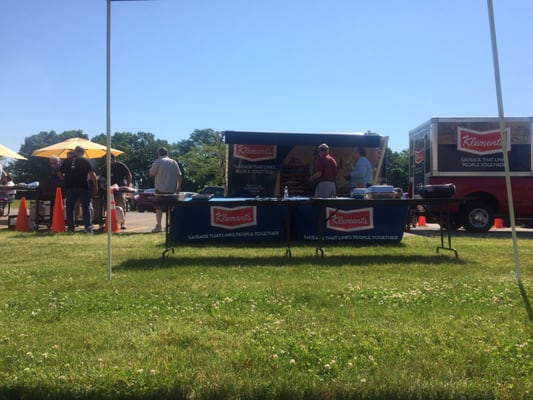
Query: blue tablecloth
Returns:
{"type": "Point", "coordinates": [217, 221]}
{"type": "Point", "coordinates": [299, 219]}
{"type": "Point", "coordinates": [372, 223]}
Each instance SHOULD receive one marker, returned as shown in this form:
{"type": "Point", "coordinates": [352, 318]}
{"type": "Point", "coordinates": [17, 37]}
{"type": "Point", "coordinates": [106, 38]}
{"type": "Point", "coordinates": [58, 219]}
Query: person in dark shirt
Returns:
{"type": "Point", "coordinates": [80, 181]}
{"type": "Point", "coordinates": [325, 174]}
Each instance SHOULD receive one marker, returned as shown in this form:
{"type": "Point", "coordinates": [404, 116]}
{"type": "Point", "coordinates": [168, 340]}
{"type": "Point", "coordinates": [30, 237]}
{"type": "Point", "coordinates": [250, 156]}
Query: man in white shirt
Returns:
{"type": "Point", "coordinates": [168, 178]}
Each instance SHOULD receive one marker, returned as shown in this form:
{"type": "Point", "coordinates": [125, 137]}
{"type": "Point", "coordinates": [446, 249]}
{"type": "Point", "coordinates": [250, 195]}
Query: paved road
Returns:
{"type": "Point", "coordinates": [135, 221]}
{"type": "Point", "coordinates": [140, 222]}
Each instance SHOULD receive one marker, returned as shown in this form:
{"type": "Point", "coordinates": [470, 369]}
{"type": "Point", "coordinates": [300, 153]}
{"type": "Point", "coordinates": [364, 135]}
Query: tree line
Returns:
{"type": "Point", "coordinates": [202, 157]}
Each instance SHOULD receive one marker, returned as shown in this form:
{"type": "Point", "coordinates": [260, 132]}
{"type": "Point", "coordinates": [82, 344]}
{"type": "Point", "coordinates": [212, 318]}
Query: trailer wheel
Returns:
{"type": "Point", "coordinates": [478, 217]}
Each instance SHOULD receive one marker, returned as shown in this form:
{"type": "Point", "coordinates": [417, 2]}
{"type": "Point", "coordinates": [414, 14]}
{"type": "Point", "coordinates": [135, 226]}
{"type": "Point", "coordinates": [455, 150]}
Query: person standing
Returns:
{"type": "Point", "coordinates": [55, 166]}
{"type": "Point", "coordinates": [120, 176]}
{"type": "Point", "coordinates": [7, 180]}
{"type": "Point", "coordinates": [80, 181]}
{"type": "Point", "coordinates": [362, 174]}
{"type": "Point", "coordinates": [4, 176]}
{"type": "Point", "coordinates": [325, 173]}
{"type": "Point", "coordinates": [167, 174]}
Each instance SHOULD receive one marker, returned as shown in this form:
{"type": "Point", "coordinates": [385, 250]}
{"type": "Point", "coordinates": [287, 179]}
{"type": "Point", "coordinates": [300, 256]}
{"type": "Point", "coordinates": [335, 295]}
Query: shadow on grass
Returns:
{"type": "Point", "coordinates": [493, 234]}
{"type": "Point", "coordinates": [279, 258]}
{"type": "Point", "coordinates": [56, 393]}
{"type": "Point", "coordinates": [527, 304]}
{"type": "Point", "coordinates": [223, 392]}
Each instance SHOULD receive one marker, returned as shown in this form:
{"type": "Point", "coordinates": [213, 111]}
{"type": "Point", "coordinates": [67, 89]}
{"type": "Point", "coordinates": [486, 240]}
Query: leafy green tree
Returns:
{"type": "Point", "coordinates": [202, 159]}
{"type": "Point", "coordinates": [37, 168]}
{"type": "Point", "coordinates": [201, 156]}
{"type": "Point", "coordinates": [398, 169]}
{"type": "Point", "coordinates": [140, 150]}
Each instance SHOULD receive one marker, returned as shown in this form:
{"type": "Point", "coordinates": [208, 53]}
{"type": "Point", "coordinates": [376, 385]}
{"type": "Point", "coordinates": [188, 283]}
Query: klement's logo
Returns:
{"type": "Point", "coordinates": [481, 143]}
{"type": "Point", "coordinates": [254, 152]}
{"type": "Point", "coordinates": [419, 156]}
{"type": "Point", "coordinates": [233, 217]}
{"type": "Point", "coordinates": [350, 220]}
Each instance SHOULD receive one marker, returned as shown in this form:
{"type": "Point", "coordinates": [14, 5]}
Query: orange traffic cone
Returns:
{"type": "Point", "coordinates": [22, 217]}
{"type": "Point", "coordinates": [498, 223]}
{"type": "Point", "coordinates": [114, 217]}
{"type": "Point", "coordinates": [58, 219]}
{"type": "Point", "coordinates": [421, 220]}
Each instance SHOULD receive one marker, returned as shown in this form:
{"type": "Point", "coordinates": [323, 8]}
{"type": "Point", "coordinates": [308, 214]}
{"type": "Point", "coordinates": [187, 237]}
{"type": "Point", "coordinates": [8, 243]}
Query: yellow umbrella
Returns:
{"type": "Point", "coordinates": [5, 152]}
{"type": "Point", "coordinates": [61, 149]}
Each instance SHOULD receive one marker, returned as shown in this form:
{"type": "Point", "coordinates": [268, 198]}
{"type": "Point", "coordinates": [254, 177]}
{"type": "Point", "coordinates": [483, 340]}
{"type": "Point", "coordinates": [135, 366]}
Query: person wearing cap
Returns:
{"type": "Point", "coordinates": [325, 173]}
{"type": "Point", "coordinates": [362, 174]}
{"type": "Point", "coordinates": [80, 180]}
{"type": "Point", "coordinates": [167, 174]}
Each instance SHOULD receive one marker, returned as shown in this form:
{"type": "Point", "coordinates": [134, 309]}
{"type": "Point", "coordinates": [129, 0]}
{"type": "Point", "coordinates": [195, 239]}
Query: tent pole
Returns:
{"type": "Point", "coordinates": [108, 141]}
{"type": "Point", "coordinates": [505, 144]}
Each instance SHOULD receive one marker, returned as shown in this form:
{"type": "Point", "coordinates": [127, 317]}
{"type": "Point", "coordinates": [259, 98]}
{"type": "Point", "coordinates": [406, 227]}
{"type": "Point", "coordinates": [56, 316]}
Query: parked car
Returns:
{"type": "Point", "coordinates": [145, 200]}
{"type": "Point", "coordinates": [216, 191]}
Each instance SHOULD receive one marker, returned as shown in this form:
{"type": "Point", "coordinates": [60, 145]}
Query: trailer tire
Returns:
{"type": "Point", "coordinates": [478, 217]}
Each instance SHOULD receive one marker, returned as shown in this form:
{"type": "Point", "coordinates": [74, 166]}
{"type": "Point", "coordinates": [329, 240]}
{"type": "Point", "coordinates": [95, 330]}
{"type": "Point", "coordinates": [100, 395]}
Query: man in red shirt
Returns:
{"type": "Point", "coordinates": [325, 173]}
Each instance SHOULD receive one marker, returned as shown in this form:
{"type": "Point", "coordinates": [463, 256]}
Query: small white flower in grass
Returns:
{"type": "Point", "coordinates": [140, 371]}
{"type": "Point", "coordinates": [350, 365]}
{"type": "Point", "coordinates": [292, 361]}
{"type": "Point", "coordinates": [153, 371]}
{"type": "Point", "coordinates": [327, 366]}
{"type": "Point", "coordinates": [363, 380]}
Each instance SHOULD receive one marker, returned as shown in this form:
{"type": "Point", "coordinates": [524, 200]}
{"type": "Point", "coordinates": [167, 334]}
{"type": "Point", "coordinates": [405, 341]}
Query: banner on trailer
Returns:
{"type": "Point", "coordinates": [476, 147]}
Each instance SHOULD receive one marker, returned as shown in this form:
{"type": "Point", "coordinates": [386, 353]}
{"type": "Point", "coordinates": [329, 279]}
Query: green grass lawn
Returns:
{"type": "Point", "coordinates": [226, 322]}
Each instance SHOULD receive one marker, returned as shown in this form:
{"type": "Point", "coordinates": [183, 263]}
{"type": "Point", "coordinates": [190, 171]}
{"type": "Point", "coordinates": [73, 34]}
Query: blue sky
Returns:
{"type": "Point", "coordinates": [266, 65]}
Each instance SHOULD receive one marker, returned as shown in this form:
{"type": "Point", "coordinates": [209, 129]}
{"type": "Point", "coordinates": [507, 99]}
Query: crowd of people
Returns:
{"type": "Point", "coordinates": [78, 177]}
{"type": "Point", "coordinates": [80, 182]}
